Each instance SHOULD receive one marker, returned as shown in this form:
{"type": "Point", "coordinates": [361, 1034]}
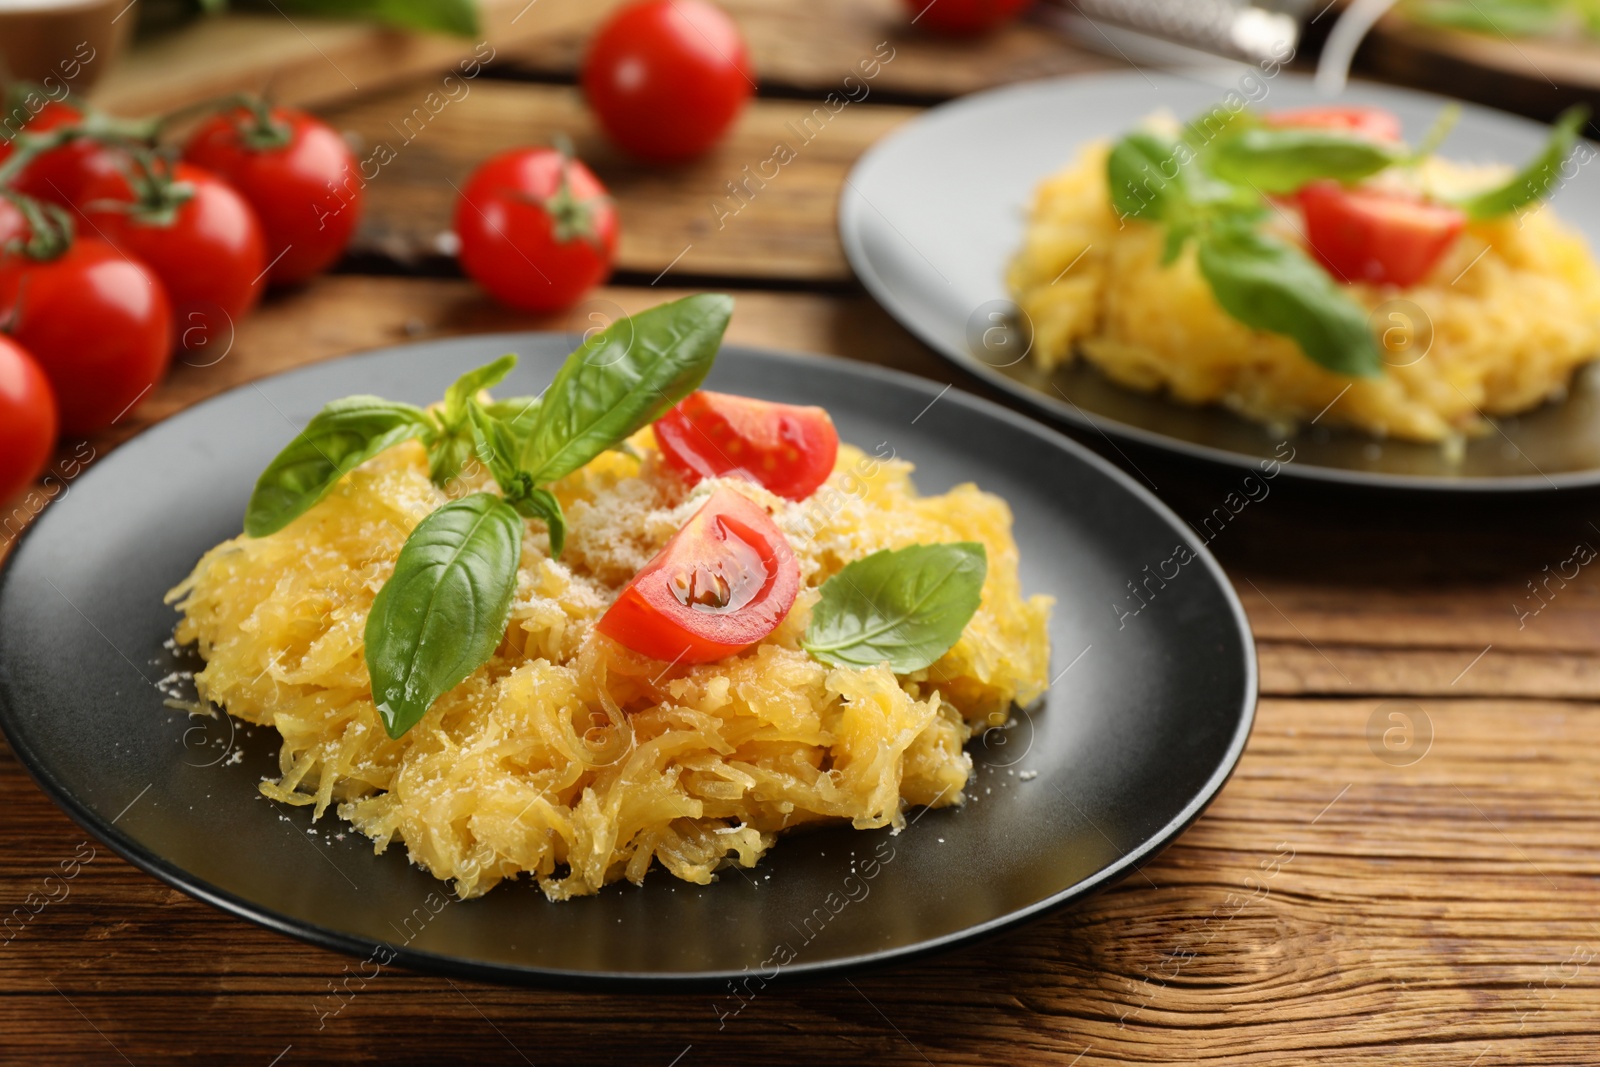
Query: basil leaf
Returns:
{"type": "Point", "coordinates": [1210, 126]}
{"type": "Point", "coordinates": [457, 17]}
{"type": "Point", "coordinates": [542, 504]}
{"type": "Point", "coordinates": [443, 611]}
{"type": "Point", "coordinates": [449, 453]}
{"type": "Point", "coordinates": [1502, 18]}
{"type": "Point", "coordinates": [621, 380]}
{"type": "Point", "coordinates": [469, 385]}
{"type": "Point", "coordinates": [340, 438]}
{"type": "Point", "coordinates": [494, 445]}
{"type": "Point", "coordinates": [1271, 285]}
{"type": "Point", "coordinates": [447, 456]}
{"type": "Point", "coordinates": [519, 413]}
{"type": "Point", "coordinates": [1137, 173]}
{"type": "Point", "coordinates": [1535, 180]}
{"type": "Point", "coordinates": [904, 607]}
{"type": "Point", "coordinates": [1283, 160]}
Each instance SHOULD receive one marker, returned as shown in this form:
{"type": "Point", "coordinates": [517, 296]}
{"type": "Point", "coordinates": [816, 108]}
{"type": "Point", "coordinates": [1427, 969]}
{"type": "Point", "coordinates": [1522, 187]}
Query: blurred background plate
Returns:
{"type": "Point", "coordinates": [1148, 713]}
{"type": "Point", "coordinates": [931, 215]}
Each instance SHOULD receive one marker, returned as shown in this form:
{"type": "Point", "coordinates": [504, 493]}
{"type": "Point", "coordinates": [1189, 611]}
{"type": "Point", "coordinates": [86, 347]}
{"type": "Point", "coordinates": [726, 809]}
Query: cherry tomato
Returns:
{"type": "Point", "coordinates": [1365, 235]}
{"type": "Point", "coordinates": [1372, 122]}
{"type": "Point", "coordinates": [963, 17]}
{"type": "Point", "coordinates": [59, 175]}
{"type": "Point", "coordinates": [786, 448]}
{"type": "Point", "coordinates": [98, 323]}
{"type": "Point", "coordinates": [537, 229]}
{"type": "Point", "coordinates": [27, 419]}
{"type": "Point", "coordinates": [723, 582]}
{"type": "Point", "coordinates": [198, 236]}
{"type": "Point", "coordinates": [299, 176]}
{"type": "Point", "coordinates": [667, 77]}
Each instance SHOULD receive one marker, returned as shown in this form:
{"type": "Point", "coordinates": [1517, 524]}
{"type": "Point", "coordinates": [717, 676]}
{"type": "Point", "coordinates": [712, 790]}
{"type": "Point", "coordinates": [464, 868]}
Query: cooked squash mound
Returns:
{"type": "Point", "coordinates": [1513, 309]}
{"type": "Point", "coordinates": [568, 756]}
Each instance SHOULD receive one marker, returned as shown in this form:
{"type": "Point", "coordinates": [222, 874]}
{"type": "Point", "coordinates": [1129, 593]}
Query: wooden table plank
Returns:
{"type": "Point", "coordinates": [787, 50]}
{"type": "Point", "coordinates": [1439, 910]}
{"type": "Point", "coordinates": [312, 61]}
{"type": "Point", "coordinates": [715, 216]}
{"type": "Point", "coordinates": [1330, 903]}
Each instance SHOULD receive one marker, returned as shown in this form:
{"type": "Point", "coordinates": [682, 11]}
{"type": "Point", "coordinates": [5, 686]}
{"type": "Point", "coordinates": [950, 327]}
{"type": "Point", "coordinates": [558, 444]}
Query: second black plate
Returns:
{"type": "Point", "coordinates": [933, 213]}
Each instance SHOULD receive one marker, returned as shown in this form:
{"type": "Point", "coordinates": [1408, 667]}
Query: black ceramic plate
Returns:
{"type": "Point", "coordinates": [933, 213]}
{"type": "Point", "coordinates": [1143, 724]}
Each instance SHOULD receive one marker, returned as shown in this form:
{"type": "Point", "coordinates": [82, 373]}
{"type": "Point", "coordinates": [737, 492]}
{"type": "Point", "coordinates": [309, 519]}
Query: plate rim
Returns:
{"type": "Point", "coordinates": [152, 863]}
{"type": "Point", "coordinates": [852, 204]}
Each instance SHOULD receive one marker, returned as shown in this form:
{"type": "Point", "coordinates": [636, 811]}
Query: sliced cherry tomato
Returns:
{"type": "Point", "coordinates": [199, 236]}
{"type": "Point", "coordinates": [963, 17]}
{"type": "Point", "coordinates": [1367, 235]}
{"type": "Point", "coordinates": [297, 173]}
{"type": "Point", "coordinates": [1373, 122]}
{"type": "Point", "coordinates": [27, 419]}
{"type": "Point", "coordinates": [667, 77]}
{"type": "Point", "coordinates": [724, 581]}
{"type": "Point", "coordinates": [537, 229]}
{"type": "Point", "coordinates": [59, 175]}
{"type": "Point", "coordinates": [97, 322]}
{"type": "Point", "coordinates": [788, 449]}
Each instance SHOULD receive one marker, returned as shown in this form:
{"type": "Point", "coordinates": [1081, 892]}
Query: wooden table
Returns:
{"type": "Point", "coordinates": [1354, 895]}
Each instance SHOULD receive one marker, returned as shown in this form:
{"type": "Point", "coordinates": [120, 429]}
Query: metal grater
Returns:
{"type": "Point", "coordinates": [1163, 31]}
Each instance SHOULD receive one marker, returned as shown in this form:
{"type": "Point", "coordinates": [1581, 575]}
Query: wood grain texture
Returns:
{"type": "Point", "coordinates": [1531, 76]}
{"type": "Point", "coordinates": [714, 216]}
{"type": "Point", "coordinates": [311, 61]}
{"type": "Point", "coordinates": [1340, 900]}
{"type": "Point", "coordinates": [1368, 889]}
{"type": "Point", "coordinates": [1330, 904]}
{"type": "Point", "coordinates": [812, 47]}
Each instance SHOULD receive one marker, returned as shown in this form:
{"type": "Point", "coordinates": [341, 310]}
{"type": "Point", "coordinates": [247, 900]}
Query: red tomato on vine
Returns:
{"type": "Point", "coordinates": [196, 233]}
{"type": "Point", "coordinates": [297, 173]}
{"type": "Point", "coordinates": [537, 229]}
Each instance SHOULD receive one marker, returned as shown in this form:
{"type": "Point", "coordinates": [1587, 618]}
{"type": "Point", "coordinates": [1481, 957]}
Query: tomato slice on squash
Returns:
{"type": "Point", "coordinates": [1364, 235]}
{"type": "Point", "coordinates": [784, 447]}
{"type": "Point", "coordinates": [1373, 122]}
{"type": "Point", "coordinates": [724, 581]}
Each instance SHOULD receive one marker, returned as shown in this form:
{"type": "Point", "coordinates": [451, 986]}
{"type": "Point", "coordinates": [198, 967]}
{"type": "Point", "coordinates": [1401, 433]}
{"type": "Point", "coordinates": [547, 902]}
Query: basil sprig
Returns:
{"type": "Point", "coordinates": [495, 441]}
{"type": "Point", "coordinates": [443, 612]}
{"type": "Point", "coordinates": [905, 607]}
{"type": "Point", "coordinates": [1211, 185]}
{"type": "Point", "coordinates": [1261, 281]}
{"type": "Point", "coordinates": [1536, 180]}
{"type": "Point", "coordinates": [340, 438]}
